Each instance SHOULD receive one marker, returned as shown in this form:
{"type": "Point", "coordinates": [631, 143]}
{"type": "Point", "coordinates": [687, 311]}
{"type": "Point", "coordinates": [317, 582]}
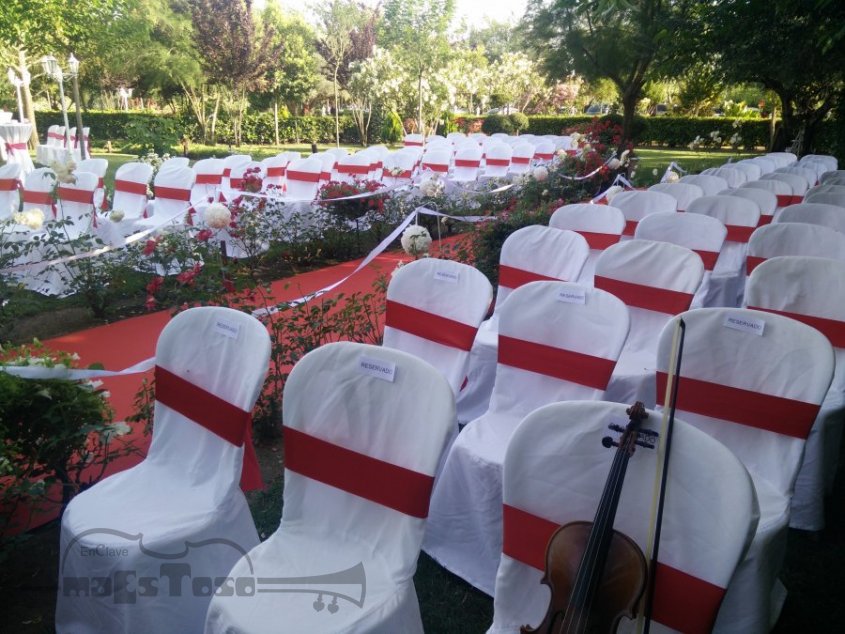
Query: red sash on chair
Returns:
{"type": "Point", "coordinates": [172, 193]}
{"type": "Point", "coordinates": [220, 417]}
{"type": "Point", "coordinates": [436, 328]}
{"type": "Point", "coordinates": [9, 184]}
{"type": "Point", "coordinates": [39, 198]}
{"type": "Point", "coordinates": [662, 300]}
{"type": "Point", "coordinates": [209, 179]}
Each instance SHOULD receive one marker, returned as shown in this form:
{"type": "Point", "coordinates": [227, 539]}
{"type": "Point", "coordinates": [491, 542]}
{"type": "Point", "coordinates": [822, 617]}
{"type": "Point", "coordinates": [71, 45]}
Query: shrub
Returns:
{"type": "Point", "coordinates": [496, 123]}
{"type": "Point", "coordinates": [519, 121]}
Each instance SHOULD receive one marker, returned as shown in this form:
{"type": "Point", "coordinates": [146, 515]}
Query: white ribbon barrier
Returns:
{"type": "Point", "coordinates": [618, 180]}
{"type": "Point", "coordinates": [63, 372]}
{"type": "Point", "coordinates": [673, 166]}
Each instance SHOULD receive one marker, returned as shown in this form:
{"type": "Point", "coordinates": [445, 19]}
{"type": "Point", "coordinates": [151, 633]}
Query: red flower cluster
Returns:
{"type": "Point", "coordinates": [352, 208]}
{"type": "Point", "coordinates": [252, 181]}
{"type": "Point", "coordinates": [187, 278]}
{"type": "Point", "coordinates": [204, 235]}
{"type": "Point", "coordinates": [150, 246]}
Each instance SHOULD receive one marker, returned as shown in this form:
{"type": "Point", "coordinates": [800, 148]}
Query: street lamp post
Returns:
{"type": "Point", "coordinates": [52, 69]}
{"type": "Point", "coordinates": [17, 82]}
{"type": "Point", "coordinates": [73, 66]}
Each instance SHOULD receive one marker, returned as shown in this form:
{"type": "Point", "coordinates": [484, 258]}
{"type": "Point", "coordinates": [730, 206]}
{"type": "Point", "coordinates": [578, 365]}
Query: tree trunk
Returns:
{"type": "Point", "coordinates": [336, 110]}
{"type": "Point", "coordinates": [629, 108]}
{"type": "Point", "coordinates": [26, 95]}
{"type": "Point", "coordinates": [212, 140]}
{"type": "Point", "coordinates": [787, 130]}
{"type": "Point", "coordinates": [419, 106]}
{"type": "Point", "coordinates": [276, 121]}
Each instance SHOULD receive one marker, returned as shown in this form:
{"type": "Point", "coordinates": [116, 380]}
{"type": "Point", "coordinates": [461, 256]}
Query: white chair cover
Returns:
{"type": "Point", "coordinates": [831, 216]}
{"type": "Point", "coordinates": [782, 159]}
{"type": "Point", "coordinates": [829, 161]}
{"type": "Point", "coordinates": [467, 162]}
{"type": "Point", "coordinates": [274, 168]}
{"type": "Point", "coordinates": [355, 167]}
{"type": "Point", "coordinates": [182, 498]}
{"type": "Point", "coordinates": [544, 150]}
{"type": "Point", "coordinates": [766, 201]}
{"type": "Point", "coordinates": [711, 185]}
{"type": "Point", "coordinates": [752, 170]}
{"type": "Point", "coordinates": [808, 174]}
{"type": "Point", "coordinates": [130, 192]}
{"type": "Point", "coordinates": [364, 430]}
{"type": "Point", "coordinates": [815, 166]}
{"type": "Point", "coordinates": [555, 468]}
{"type": "Point", "coordinates": [436, 160]}
{"type": "Point", "coordinates": [828, 194]}
{"type": "Point", "coordinates": [209, 179]}
{"type": "Point", "coordinates": [798, 183]}
{"type": "Point", "coordinates": [398, 168]}
{"type": "Point", "coordinates": [414, 140]}
{"type": "Point", "coordinates": [558, 341]}
{"type": "Point", "coordinates": [781, 190]}
{"type": "Point", "coordinates": [703, 234]}
{"type": "Point", "coordinates": [230, 162]}
{"type": "Point", "coordinates": [76, 203]}
{"type": "Point", "coordinates": [833, 176]}
{"type": "Point", "coordinates": [497, 158]}
{"type": "Point", "coordinates": [98, 166]}
{"type": "Point", "coordinates": [172, 189]}
{"type": "Point", "coordinates": [434, 309]}
{"type": "Point", "coordinates": [523, 153]}
{"type": "Point", "coordinates": [754, 381]}
{"type": "Point", "coordinates": [636, 205]}
{"type": "Point", "coordinates": [766, 164]}
{"type": "Point", "coordinates": [656, 280]}
{"type": "Point", "coordinates": [600, 225]}
{"type": "Point", "coordinates": [173, 162]}
{"type": "Point", "coordinates": [528, 254]}
{"type": "Point", "coordinates": [741, 216]}
{"type": "Point", "coordinates": [236, 178]}
{"type": "Point", "coordinates": [684, 193]}
{"type": "Point", "coordinates": [793, 238]}
{"type": "Point", "coordinates": [10, 175]}
{"type": "Point", "coordinates": [303, 178]}
{"type": "Point", "coordinates": [37, 192]}
{"type": "Point", "coordinates": [811, 290]}
{"type": "Point", "coordinates": [733, 177]}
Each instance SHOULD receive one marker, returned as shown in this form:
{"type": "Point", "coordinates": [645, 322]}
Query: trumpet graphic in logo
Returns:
{"type": "Point", "coordinates": [135, 576]}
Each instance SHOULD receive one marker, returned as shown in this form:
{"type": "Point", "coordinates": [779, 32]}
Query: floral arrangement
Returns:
{"type": "Point", "coordinates": [252, 181]}
{"type": "Point", "coordinates": [432, 187]}
{"type": "Point", "coordinates": [31, 218]}
{"type": "Point", "coordinates": [217, 216]}
{"type": "Point", "coordinates": [352, 209]}
{"type": "Point", "coordinates": [416, 240]}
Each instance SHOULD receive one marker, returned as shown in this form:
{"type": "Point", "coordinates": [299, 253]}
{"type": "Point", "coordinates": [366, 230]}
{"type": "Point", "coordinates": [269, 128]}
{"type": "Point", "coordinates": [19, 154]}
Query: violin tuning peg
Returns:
{"type": "Point", "coordinates": [608, 442]}
{"type": "Point", "coordinates": [333, 606]}
{"type": "Point", "coordinates": [318, 604]}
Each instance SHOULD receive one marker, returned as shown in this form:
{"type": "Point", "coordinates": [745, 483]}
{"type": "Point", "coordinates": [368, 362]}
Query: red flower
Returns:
{"type": "Point", "coordinates": [204, 235]}
{"type": "Point", "coordinates": [150, 247]}
{"type": "Point", "coordinates": [186, 278]}
{"type": "Point", "coordinates": [154, 285]}
{"type": "Point", "coordinates": [228, 285]}
{"type": "Point", "coordinates": [150, 303]}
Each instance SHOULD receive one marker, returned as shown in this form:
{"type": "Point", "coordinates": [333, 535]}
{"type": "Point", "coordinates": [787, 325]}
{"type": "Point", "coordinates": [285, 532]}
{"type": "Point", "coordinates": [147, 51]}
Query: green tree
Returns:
{"type": "Point", "coordinates": [784, 45]}
{"type": "Point", "coordinates": [32, 28]}
{"type": "Point", "coordinates": [415, 31]}
{"type": "Point", "coordinates": [620, 40]}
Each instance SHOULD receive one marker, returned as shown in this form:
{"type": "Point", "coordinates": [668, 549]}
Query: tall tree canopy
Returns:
{"type": "Point", "coordinates": [620, 40]}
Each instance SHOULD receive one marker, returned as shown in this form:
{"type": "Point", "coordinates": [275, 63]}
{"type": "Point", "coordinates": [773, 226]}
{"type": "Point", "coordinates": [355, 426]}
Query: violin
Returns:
{"type": "Point", "coordinates": [597, 575]}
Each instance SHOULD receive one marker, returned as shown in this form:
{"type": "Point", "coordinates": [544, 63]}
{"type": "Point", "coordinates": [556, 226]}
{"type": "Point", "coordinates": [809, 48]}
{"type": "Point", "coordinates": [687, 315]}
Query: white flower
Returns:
{"type": "Point", "coordinates": [217, 216]}
{"type": "Point", "coordinates": [31, 218]}
{"type": "Point", "coordinates": [432, 188]}
{"type": "Point", "coordinates": [561, 152]}
{"type": "Point", "coordinates": [612, 191]}
{"type": "Point", "coordinates": [399, 265]}
{"type": "Point", "coordinates": [654, 172]}
{"type": "Point", "coordinates": [614, 163]}
{"type": "Point", "coordinates": [623, 158]}
{"type": "Point", "coordinates": [541, 173]}
{"type": "Point", "coordinates": [114, 430]}
{"type": "Point", "coordinates": [116, 215]}
{"type": "Point", "coordinates": [718, 140]}
{"type": "Point", "coordinates": [575, 136]}
{"type": "Point", "coordinates": [736, 123]}
{"type": "Point", "coordinates": [416, 240]}
{"type": "Point", "coordinates": [672, 177]}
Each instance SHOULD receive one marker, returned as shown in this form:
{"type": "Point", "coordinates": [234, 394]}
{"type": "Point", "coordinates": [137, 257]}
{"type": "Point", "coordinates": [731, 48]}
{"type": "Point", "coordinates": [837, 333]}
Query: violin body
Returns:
{"type": "Point", "coordinates": [623, 583]}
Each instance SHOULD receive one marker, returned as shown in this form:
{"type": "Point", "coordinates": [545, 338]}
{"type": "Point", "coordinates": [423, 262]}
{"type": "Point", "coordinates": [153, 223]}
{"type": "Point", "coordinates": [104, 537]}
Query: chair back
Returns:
{"type": "Point", "coordinates": [467, 162]}
{"type": "Point", "coordinates": [130, 189]}
{"type": "Point", "coordinates": [766, 201]}
{"type": "Point", "coordinates": [37, 191]}
{"type": "Point", "coordinates": [711, 185]}
{"type": "Point", "coordinates": [782, 159]}
{"type": "Point", "coordinates": [781, 190]}
{"type": "Point", "coordinates": [76, 203]}
{"type": "Point", "coordinates": [303, 178]}
{"type": "Point", "coordinates": [174, 162]}
{"type": "Point", "coordinates": [753, 171]}
{"type": "Point", "coordinates": [703, 234]}
{"type": "Point", "coordinates": [558, 341]}
{"type": "Point", "coordinates": [229, 163]}
{"type": "Point", "coordinates": [684, 193]}
{"type": "Point", "coordinates": [636, 205]}
{"type": "Point", "coordinates": [365, 427]}
{"type": "Point", "coordinates": [793, 238]}
{"type": "Point", "coordinates": [600, 225]}
{"type": "Point", "coordinates": [830, 194]}
{"type": "Point", "coordinates": [497, 158]}
{"type": "Point", "coordinates": [796, 182]}
{"type": "Point", "coordinates": [209, 179]}
{"type": "Point", "coordinates": [434, 309]}
{"type": "Point", "coordinates": [803, 170]}
{"type": "Point", "coordinates": [767, 165]}
{"type": "Point", "coordinates": [9, 189]}
{"type": "Point", "coordinates": [536, 253]}
{"type": "Point", "coordinates": [173, 188]}
{"type": "Point", "coordinates": [436, 160]}
{"type": "Point", "coordinates": [554, 471]}
{"type": "Point", "coordinates": [733, 176]}
{"type": "Point", "coordinates": [274, 169]}
{"type": "Point", "coordinates": [754, 381]}
{"type": "Point", "coordinates": [831, 216]}
{"type": "Point", "coordinates": [523, 153]}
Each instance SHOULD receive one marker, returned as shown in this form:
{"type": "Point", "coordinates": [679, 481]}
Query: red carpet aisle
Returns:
{"type": "Point", "coordinates": [124, 343]}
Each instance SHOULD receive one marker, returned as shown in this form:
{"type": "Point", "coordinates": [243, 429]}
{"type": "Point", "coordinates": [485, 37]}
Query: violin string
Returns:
{"type": "Point", "coordinates": [599, 537]}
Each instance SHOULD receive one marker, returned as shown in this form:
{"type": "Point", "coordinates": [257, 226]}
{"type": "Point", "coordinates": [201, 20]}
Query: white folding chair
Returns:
{"type": "Point", "coordinates": [180, 512]}
{"type": "Point", "coordinates": [554, 470]}
{"type": "Point", "coordinates": [413, 140]}
{"type": "Point", "coordinates": [76, 204]}
{"type": "Point", "coordinates": [557, 342]}
{"type": "Point", "coordinates": [781, 190]}
{"type": "Point", "coordinates": [636, 205]}
{"type": "Point", "coordinates": [703, 234]}
{"type": "Point", "coordinates": [684, 193]}
{"type": "Point", "coordinates": [753, 171]}
{"type": "Point", "coordinates": [436, 160]}
{"type": "Point", "coordinates": [766, 201]}
{"type": "Point", "coordinates": [209, 179]}
{"type": "Point", "coordinates": [398, 168]}
{"type": "Point", "coordinates": [131, 181]}
{"type": "Point", "coordinates": [237, 176]}
{"type": "Point", "coordinates": [357, 483]}
{"type": "Point", "coordinates": [355, 167]}
{"type": "Point", "coordinates": [98, 166]}
{"type": "Point", "coordinates": [467, 162]}
{"type": "Point", "coordinates": [172, 189]}
{"type": "Point", "coordinates": [174, 162]}
{"type": "Point", "coordinates": [754, 381]}
{"type": "Point", "coordinates": [544, 151]}
{"type": "Point", "coordinates": [793, 238]}
{"type": "Point", "coordinates": [734, 177]}
{"type": "Point", "coordinates": [830, 216]}
{"type": "Point", "coordinates": [37, 192]}
{"type": "Point", "coordinates": [765, 164]}
{"type": "Point", "coordinates": [274, 168]}
{"type": "Point", "coordinates": [600, 225]}
{"type": "Point", "coordinates": [741, 216]}
{"type": "Point", "coordinates": [782, 159]}
{"type": "Point", "coordinates": [303, 178]}
{"type": "Point", "coordinates": [656, 280]}
{"type": "Point", "coordinates": [523, 153]}
{"type": "Point", "coordinates": [497, 159]}
{"type": "Point", "coordinates": [711, 185]}
{"type": "Point", "coordinates": [230, 162]}
{"type": "Point", "coordinates": [797, 183]}
{"type": "Point", "coordinates": [529, 254]}
{"type": "Point", "coordinates": [833, 176]}
{"type": "Point", "coordinates": [811, 290]}
{"type": "Point", "coordinates": [434, 309]}
{"type": "Point", "coordinates": [10, 185]}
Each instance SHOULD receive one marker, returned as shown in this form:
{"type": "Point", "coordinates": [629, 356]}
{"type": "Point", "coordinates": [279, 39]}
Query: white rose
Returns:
{"type": "Point", "coordinates": [654, 172]}
{"type": "Point", "coordinates": [614, 163]}
{"type": "Point", "coordinates": [541, 174]}
{"type": "Point", "coordinates": [623, 158]}
{"type": "Point", "coordinates": [672, 177]}
{"type": "Point", "coordinates": [416, 240]}
{"type": "Point", "coordinates": [217, 216]}
{"type": "Point", "coordinates": [32, 218]}
{"type": "Point", "coordinates": [116, 215]}
{"type": "Point", "coordinates": [612, 191]}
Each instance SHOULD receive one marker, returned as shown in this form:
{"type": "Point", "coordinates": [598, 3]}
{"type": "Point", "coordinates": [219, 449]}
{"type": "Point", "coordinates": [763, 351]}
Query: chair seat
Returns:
{"type": "Point", "coordinates": [389, 603]}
